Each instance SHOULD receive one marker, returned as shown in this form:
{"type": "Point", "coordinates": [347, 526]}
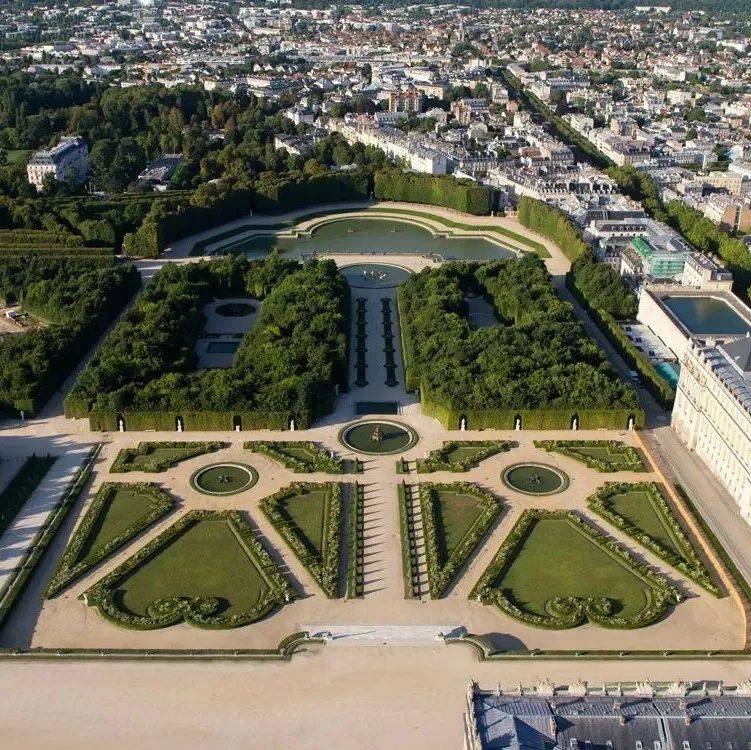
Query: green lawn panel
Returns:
{"type": "Point", "coordinates": [307, 512]}
{"type": "Point", "coordinates": [159, 455]}
{"type": "Point", "coordinates": [207, 559]}
{"type": "Point", "coordinates": [457, 512]}
{"type": "Point", "coordinates": [556, 560]}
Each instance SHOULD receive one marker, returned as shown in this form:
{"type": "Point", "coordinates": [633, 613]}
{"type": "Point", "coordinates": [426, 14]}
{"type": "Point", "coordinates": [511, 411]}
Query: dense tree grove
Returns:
{"type": "Point", "coordinates": [77, 299]}
{"type": "Point", "coordinates": [538, 357]}
{"type": "Point", "coordinates": [603, 287]}
{"type": "Point", "coordinates": [289, 362]}
{"type": "Point", "coordinates": [552, 223]}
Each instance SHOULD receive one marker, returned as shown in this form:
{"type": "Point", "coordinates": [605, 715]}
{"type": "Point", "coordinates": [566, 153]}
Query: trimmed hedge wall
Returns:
{"type": "Point", "coordinates": [22, 486]}
{"type": "Point", "coordinates": [355, 541]}
{"type": "Point", "coordinates": [551, 223]}
{"type": "Point", "coordinates": [72, 565]}
{"type": "Point", "coordinates": [570, 612]}
{"type": "Point", "coordinates": [199, 611]}
{"type": "Point", "coordinates": [435, 190]}
{"type": "Point", "coordinates": [690, 564]}
{"type": "Point", "coordinates": [324, 567]}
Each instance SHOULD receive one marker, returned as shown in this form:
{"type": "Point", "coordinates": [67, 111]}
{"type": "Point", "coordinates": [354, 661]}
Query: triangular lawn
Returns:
{"type": "Point", "coordinates": [157, 457]}
{"type": "Point", "coordinates": [308, 517]}
{"type": "Point", "coordinates": [455, 518]}
{"type": "Point", "coordinates": [461, 455]}
{"type": "Point", "coordinates": [117, 513]}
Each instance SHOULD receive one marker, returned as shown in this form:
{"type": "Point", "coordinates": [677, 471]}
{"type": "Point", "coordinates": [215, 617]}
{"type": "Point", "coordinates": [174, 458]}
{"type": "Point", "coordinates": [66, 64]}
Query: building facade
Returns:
{"type": "Point", "coordinates": [712, 413]}
{"type": "Point", "coordinates": [68, 160]}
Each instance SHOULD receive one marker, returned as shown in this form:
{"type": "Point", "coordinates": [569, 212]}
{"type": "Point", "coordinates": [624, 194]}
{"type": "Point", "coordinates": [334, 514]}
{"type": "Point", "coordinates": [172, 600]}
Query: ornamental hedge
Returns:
{"type": "Point", "coordinates": [537, 363]}
{"type": "Point", "coordinates": [287, 367]}
{"type": "Point", "coordinates": [466, 196]}
{"type": "Point", "coordinates": [203, 612]}
{"type": "Point", "coordinates": [80, 556]}
{"type": "Point", "coordinates": [439, 459]}
{"type": "Point", "coordinates": [355, 541]}
{"type": "Point", "coordinates": [21, 487]}
{"type": "Point", "coordinates": [183, 451]}
{"type": "Point", "coordinates": [443, 567]}
{"type": "Point", "coordinates": [323, 565]}
{"type": "Point", "coordinates": [567, 611]}
{"type": "Point", "coordinates": [314, 459]}
{"type": "Point", "coordinates": [77, 299]}
{"type": "Point", "coordinates": [687, 562]}
{"type": "Point", "coordinates": [629, 458]}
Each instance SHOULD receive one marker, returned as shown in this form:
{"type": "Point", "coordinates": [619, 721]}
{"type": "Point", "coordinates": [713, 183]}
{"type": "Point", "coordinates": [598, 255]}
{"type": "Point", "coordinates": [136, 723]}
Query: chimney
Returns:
{"type": "Point", "coordinates": [687, 718]}
{"type": "Point", "coordinates": [622, 720]}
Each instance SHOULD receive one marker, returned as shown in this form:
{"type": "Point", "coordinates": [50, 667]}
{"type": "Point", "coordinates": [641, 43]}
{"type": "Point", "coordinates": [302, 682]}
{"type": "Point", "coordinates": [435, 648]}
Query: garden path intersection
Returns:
{"type": "Point", "coordinates": [349, 631]}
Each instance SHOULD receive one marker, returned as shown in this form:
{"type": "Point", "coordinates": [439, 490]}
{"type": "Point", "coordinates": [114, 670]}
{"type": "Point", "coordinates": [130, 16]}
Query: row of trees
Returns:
{"type": "Point", "coordinates": [77, 299]}
{"type": "Point", "coordinates": [552, 223]}
{"type": "Point", "coordinates": [538, 357]}
{"type": "Point", "coordinates": [290, 362]}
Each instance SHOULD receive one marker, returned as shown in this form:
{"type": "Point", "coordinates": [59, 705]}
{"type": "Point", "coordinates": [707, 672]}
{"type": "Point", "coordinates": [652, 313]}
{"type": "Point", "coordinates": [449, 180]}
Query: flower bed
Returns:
{"type": "Point", "coordinates": [444, 559]}
{"type": "Point", "coordinates": [163, 455]}
{"type": "Point", "coordinates": [625, 457]}
{"type": "Point", "coordinates": [440, 459]}
{"type": "Point", "coordinates": [687, 561]}
{"type": "Point", "coordinates": [202, 611]}
{"type": "Point", "coordinates": [75, 562]}
{"type": "Point", "coordinates": [570, 611]}
{"type": "Point", "coordinates": [303, 457]}
{"type": "Point", "coordinates": [321, 560]}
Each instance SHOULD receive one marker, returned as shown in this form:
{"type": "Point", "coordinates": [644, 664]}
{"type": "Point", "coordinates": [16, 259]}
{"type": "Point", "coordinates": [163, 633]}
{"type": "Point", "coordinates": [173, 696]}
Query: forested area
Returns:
{"type": "Point", "coordinates": [538, 359]}
{"type": "Point", "coordinates": [288, 364]}
{"type": "Point", "coordinates": [77, 299]}
{"type": "Point", "coordinates": [603, 287]}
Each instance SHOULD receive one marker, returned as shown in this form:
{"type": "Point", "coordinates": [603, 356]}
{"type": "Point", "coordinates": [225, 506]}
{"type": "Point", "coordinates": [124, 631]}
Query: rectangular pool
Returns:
{"type": "Point", "coordinates": [222, 347]}
{"type": "Point", "coordinates": [704, 316]}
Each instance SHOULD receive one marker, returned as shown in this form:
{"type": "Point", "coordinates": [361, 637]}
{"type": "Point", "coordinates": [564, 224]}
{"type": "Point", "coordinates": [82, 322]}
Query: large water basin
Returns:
{"type": "Point", "coordinates": [379, 236]}
{"type": "Point", "coordinates": [704, 316]}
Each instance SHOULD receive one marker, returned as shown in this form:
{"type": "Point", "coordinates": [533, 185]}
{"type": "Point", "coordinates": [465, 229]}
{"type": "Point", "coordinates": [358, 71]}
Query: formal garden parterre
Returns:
{"type": "Point", "coordinates": [156, 457]}
{"type": "Point", "coordinates": [461, 455]}
{"type": "Point", "coordinates": [302, 457]}
{"type": "Point", "coordinates": [209, 569]}
{"type": "Point", "coordinates": [117, 514]}
{"type": "Point", "coordinates": [309, 518]}
{"type": "Point", "coordinates": [601, 455]}
{"type": "Point", "coordinates": [554, 570]}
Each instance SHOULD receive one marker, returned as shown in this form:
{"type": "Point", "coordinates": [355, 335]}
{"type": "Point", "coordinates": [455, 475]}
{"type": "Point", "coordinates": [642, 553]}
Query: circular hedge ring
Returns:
{"type": "Point", "coordinates": [535, 479]}
{"type": "Point", "coordinates": [224, 479]}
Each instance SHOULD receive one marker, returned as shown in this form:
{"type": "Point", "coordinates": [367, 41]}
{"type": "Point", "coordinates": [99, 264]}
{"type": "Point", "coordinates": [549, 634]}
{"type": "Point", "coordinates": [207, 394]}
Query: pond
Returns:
{"type": "Point", "coordinates": [222, 347]}
{"type": "Point", "coordinates": [374, 236]}
{"type": "Point", "coordinates": [706, 315]}
{"type": "Point", "coordinates": [378, 437]}
{"type": "Point", "coordinates": [224, 479]}
{"type": "Point", "coordinates": [535, 479]}
{"type": "Point", "coordinates": [374, 275]}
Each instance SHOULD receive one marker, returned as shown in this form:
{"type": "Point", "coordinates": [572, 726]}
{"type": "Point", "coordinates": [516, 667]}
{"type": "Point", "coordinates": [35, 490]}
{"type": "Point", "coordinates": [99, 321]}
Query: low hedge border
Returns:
{"type": "Point", "coordinates": [440, 576]}
{"type": "Point", "coordinates": [632, 461]}
{"type": "Point", "coordinates": [355, 541]}
{"type": "Point", "coordinates": [570, 612]}
{"type": "Point", "coordinates": [199, 611]}
{"type": "Point", "coordinates": [15, 586]}
{"type": "Point", "coordinates": [324, 568]}
{"type": "Point", "coordinates": [321, 461]}
{"type": "Point", "coordinates": [70, 567]}
{"type": "Point", "coordinates": [122, 462]}
{"type": "Point", "coordinates": [690, 564]}
{"type": "Point", "coordinates": [437, 459]}
{"type": "Point", "coordinates": [388, 342]}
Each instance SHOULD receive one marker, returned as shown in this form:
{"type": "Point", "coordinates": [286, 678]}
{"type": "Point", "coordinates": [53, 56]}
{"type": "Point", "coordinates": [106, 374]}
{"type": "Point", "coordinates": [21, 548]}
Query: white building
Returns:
{"type": "Point", "coordinates": [68, 160]}
{"type": "Point", "coordinates": [712, 413]}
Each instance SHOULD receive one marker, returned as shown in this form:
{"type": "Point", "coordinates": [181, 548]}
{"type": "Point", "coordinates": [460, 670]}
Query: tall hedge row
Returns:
{"type": "Point", "coordinates": [435, 190]}
{"type": "Point", "coordinates": [552, 223]}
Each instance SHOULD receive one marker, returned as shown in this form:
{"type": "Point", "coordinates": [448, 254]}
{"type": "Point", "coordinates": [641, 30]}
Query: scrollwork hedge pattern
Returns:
{"type": "Point", "coordinates": [438, 460]}
{"type": "Point", "coordinates": [123, 460]}
{"type": "Point", "coordinates": [631, 460]}
{"type": "Point", "coordinates": [319, 461]}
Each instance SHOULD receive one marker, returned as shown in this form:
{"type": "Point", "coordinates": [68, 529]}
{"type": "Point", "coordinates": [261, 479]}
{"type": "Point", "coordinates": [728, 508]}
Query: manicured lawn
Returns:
{"type": "Point", "coordinates": [457, 511]}
{"type": "Point", "coordinates": [612, 456]}
{"type": "Point", "coordinates": [463, 452]}
{"type": "Point", "coordinates": [157, 457]}
{"type": "Point", "coordinates": [556, 560]}
{"type": "Point", "coordinates": [601, 455]}
{"type": "Point", "coordinates": [17, 156]}
{"type": "Point", "coordinates": [122, 510]}
{"type": "Point", "coordinates": [637, 508]}
{"type": "Point", "coordinates": [307, 512]}
{"type": "Point", "coordinates": [206, 560]}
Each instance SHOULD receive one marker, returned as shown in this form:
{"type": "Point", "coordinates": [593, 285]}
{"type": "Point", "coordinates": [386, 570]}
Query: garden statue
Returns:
{"type": "Point", "coordinates": [463, 424]}
{"type": "Point", "coordinates": [376, 437]}
{"type": "Point", "coordinates": [575, 423]}
{"type": "Point", "coordinates": [179, 424]}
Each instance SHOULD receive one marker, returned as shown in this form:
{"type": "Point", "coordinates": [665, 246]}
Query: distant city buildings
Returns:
{"type": "Point", "coordinates": [69, 160]}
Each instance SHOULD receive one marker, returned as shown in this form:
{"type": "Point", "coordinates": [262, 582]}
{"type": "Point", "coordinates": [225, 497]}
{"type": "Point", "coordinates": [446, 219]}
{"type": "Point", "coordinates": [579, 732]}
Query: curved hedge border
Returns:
{"type": "Point", "coordinates": [570, 612]}
{"type": "Point", "coordinates": [690, 564]}
{"type": "Point", "coordinates": [122, 461]}
{"type": "Point", "coordinates": [440, 576]}
{"type": "Point", "coordinates": [325, 567]}
{"type": "Point", "coordinates": [201, 610]}
{"type": "Point", "coordinates": [71, 566]}
{"type": "Point", "coordinates": [319, 461]}
{"type": "Point", "coordinates": [437, 459]}
{"type": "Point", "coordinates": [631, 461]}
